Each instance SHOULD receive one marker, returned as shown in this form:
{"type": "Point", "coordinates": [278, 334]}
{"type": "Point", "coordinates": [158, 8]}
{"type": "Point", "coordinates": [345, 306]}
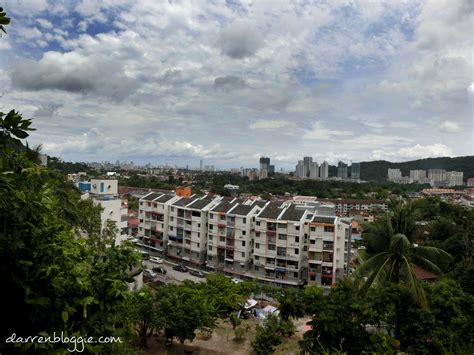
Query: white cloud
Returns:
{"type": "Point", "coordinates": [318, 131]}
{"type": "Point", "coordinates": [416, 152]}
{"type": "Point", "coordinates": [269, 124]}
{"type": "Point", "coordinates": [470, 89]}
{"type": "Point", "coordinates": [450, 127]}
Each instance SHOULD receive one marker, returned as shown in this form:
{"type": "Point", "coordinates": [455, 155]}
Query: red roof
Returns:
{"type": "Point", "coordinates": [422, 274]}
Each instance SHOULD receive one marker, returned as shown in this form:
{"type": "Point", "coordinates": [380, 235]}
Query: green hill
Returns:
{"type": "Point", "coordinates": [377, 170]}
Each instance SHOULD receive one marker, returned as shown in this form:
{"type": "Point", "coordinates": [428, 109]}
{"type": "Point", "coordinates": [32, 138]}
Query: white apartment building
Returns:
{"type": "Point", "coordinates": [437, 175]}
{"type": "Point", "coordinates": [187, 230]}
{"type": "Point", "coordinates": [230, 237]}
{"type": "Point", "coordinates": [455, 178]}
{"type": "Point", "coordinates": [313, 170]}
{"type": "Point", "coordinates": [279, 245]}
{"type": "Point", "coordinates": [394, 174]}
{"type": "Point", "coordinates": [104, 192]}
{"type": "Point", "coordinates": [418, 176]}
{"type": "Point", "coordinates": [324, 170]}
{"type": "Point", "coordinates": [329, 249]}
{"type": "Point", "coordinates": [153, 216]}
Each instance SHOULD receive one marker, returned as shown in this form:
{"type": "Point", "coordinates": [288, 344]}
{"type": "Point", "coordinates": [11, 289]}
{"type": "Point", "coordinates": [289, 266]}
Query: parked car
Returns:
{"type": "Point", "coordinates": [156, 260]}
{"type": "Point", "coordinates": [149, 273]}
{"type": "Point", "coordinates": [159, 270]}
{"type": "Point", "coordinates": [197, 273]}
{"type": "Point", "coordinates": [237, 281]}
{"type": "Point", "coordinates": [181, 268]}
{"type": "Point", "coordinates": [145, 255]}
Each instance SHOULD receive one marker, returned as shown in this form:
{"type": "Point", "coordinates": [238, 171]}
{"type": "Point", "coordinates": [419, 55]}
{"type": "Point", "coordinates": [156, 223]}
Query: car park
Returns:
{"type": "Point", "coordinates": [197, 273]}
{"type": "Point", "coordinates": [181, 268]}
{"type": "Point", "coordinates": [156, 260]}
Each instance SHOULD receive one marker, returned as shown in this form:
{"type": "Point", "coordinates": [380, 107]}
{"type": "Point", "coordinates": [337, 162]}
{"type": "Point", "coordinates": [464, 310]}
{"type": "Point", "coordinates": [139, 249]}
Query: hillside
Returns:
{"type": "Point", "coordinates": [377, 170]}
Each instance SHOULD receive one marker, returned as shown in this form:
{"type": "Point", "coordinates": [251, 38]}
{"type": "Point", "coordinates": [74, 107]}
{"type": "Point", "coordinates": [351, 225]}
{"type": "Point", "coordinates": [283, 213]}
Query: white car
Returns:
{"type": "Point", "coordinates": [150, 273]}
{"type": "Point", "coordinates": [156, 260]}
{"type": "Point", "coordinates": [237, 281]}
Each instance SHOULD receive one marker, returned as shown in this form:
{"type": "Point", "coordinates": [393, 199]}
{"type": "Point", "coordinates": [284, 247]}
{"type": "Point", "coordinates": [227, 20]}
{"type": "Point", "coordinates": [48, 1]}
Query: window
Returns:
{"type": "Point", "coordinates": [199, 234]}
{"type": "Point", "coordinates": [257, 246]}
{"type": "Point", "coordinates": [243, 232]}
{"type": "Point", "coordinates": [297, 228]}
{"type": "Point", "coordinates": [296, 251]}
{"type": "Point", "coordinates": [313, 229]}
{"type": "Point", "coordinates": [312, 241]}
{"type": "Point", "coordinates": [295, 274]}
{"type": "Point", "coordinates": [210, 248]}
{"type": "Point", "coordinates": [211, 226]}
{"type": "Point", "coordinates": [297, 239]}
{"type": "Point", "coordinates": [172, 209]}
{"type": "Point", "coordinates": [271, 246]}
{"type": "Point", "coordinates": [257, 223]}
{"type": "Point", "coordinates": [244, 220]}
{"type": "Point", "coordinates": [198, 245]}
{"type": "Point", "coordinates": [329, 229]}
{"type": "Point", "coordinates": [281, 237]}
{"type": "Point", "coordinates": [222, 239]}
{"type": "Point", "coordinates": [196, 214]}
{"type": "Point", "coordinates": [171, 228]}
{"type": "Point", "coordinates": [199, 225]}
{"type": "Point", "coordinates": [211, 216]}
{"type": "Point", "coordinates": [222, 218]}
{"type": "Point", "coordinates": [243, 243]}
{"type": "Point", "coordinates": [188, 241]}
{"type": "Point", "coordinates": [243, 254]}
{"type": "Point", "coordinates": [256, 268]}
{"type": "Point", "coordinates": [210, 237]}
{"type": "Point", "coordinates": [256, 257]}
{"type": "Point", "coordinates": [171, 219]}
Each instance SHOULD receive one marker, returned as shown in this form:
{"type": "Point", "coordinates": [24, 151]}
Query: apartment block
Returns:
{"type": "Point", "coordinates": [187, 229]}
{"type": "Point", "coordinates": [153, 218]}
{"type": "Point", "coordinates": [329, 249]}
{"type": "Point", "coordinates": [279, 254]}
{"type": "Point", "coordinates": [394, 174]}
{"type": "Point", "coordinates": [455, 178]}
{"type": "Point", "coordinates": [230, 237]}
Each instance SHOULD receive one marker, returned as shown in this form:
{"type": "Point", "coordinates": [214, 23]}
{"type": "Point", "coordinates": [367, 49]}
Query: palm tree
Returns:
{"type": "Point", "coordinates": [396, 266]}
{"type": "Point", "coordinates": [4, 20]}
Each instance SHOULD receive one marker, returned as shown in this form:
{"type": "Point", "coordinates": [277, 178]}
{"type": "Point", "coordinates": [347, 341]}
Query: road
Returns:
{"type": "Point", "coordinates": [172, 275]}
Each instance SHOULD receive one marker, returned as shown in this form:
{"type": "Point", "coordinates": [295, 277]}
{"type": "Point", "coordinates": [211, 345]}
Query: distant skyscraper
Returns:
{"type": "Point", "coordinates": [324, 170]}
{"type": "Point", "coordinates": [300, 169]}
{"type": "Point", "coordinates": [394, 174]}
{"type": "Point", "coordinates": [314, 170]}
{"type": "Point", "coordinates": [437, 175]}
{"type": "Point", "coordinates": [456, 178]}
{"type": "Point", "coordinates": [307, 164]}
{"type": "Point", "coordinates": [200, 165]}
{"type": "Point", "coordinates": [342, 170]}
{"type": "Point", "coordinates": [264, 167]}
{"type": "Point", "coordinates": [418, 176]}
{"type": "Point", "coordinates": [355, 171]}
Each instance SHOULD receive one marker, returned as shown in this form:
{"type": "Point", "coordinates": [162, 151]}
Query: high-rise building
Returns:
{"type": "Point", "coordinates": [418, 176]}
{"type": "Point", "coordinates": [342, 170]}
{"type": "Point", "coordinates": [437, 175]}
{"type": "Point", "coordinates": [455, 178]}
{"type": "Point", "coordinates": [300, 169]}
{"type": "Point", "coordinates": [355, 171]}
{"type": "Point", "coordinates": [324, 170]}
{"type": "Point", "coordinates": [307, 164]}
{"type": "Point", "coordinates": [314, 170]}
{"type": "Point", "coordinates": [470, 182]}
{"type": "Point", "coordinates": [200, 165]}
{"type": "Point", "coordinates": [264, 167]}
{"type": "Point", "coordinates": [394, 174]}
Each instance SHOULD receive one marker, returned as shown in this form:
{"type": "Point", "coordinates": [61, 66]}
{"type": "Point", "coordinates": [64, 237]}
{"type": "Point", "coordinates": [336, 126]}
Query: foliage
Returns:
{"type": "Point", "coordinates": [56, 281]}
{"type": "Point", "coordinates": [234, 320]}
{"type": "Point", "coordinates": [291, 304]}
{"type": "Point", "coordinates": [270, 335]}
{"type": "Point", "coordinates": [144, 312]}
{"type": "Point", "coordinates": [183, 309]}
{"type": "Point", "coordinates": [4, 20]}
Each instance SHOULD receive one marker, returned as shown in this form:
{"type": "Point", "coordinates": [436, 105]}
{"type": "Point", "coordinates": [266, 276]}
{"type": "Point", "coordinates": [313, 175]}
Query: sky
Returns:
{"type": "Point", "coordinates": [229, 81]}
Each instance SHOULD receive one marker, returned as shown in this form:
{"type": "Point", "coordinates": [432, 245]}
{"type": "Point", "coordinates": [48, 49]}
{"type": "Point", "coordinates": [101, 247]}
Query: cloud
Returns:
{"type": "Point", "coordinates": [470, 89]}
{"type": "Point", "coordinates": [449, 127]}
{"type": "Point", "coordinates": [75, 73]}
{"type": "Point", "coordinates": [416, 152]}
{"type": "Point", "coordinates": [240, 39]}
{"type": "Point", "coordinates": [318, 131]}
{"type": "Point", "coordinates": [47, 110]}
{"type": "Point", "coordinates": [229, 83]}
{"type": "Point", "coordinates": [269, 124]}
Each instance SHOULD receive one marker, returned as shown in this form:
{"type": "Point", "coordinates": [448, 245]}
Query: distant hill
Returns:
{"type": "Point", "coordinates": [377, 170]}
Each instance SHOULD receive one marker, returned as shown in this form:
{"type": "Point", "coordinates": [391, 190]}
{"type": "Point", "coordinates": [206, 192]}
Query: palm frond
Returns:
{"type": "Point", "coordinates": [425, 264]}
{"type": "Point", "coordinates": [431, 253]}
{"type": "Point", "coordinates": [413, 284]}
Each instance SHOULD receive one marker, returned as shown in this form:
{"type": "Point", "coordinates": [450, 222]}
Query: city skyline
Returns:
{"type": "Point", "coordinates": [230, 82]}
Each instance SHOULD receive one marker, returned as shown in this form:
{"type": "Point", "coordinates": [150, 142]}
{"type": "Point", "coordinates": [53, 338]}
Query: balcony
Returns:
{"type": "Point", "coordinates": [270, 233]}
{"type": "Point", "coordinates": [221, 225]}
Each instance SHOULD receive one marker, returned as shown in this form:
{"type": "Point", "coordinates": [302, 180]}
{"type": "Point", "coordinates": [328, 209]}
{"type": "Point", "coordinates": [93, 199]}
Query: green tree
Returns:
{"type": "Point", "coordinates": [183, 309]}
{"type": "Point", "coordinates": [270, 335]}
{"type": "Point", "coordinates": [291, 304]}
{"type": "Point", "coordinates": [145, 314]}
